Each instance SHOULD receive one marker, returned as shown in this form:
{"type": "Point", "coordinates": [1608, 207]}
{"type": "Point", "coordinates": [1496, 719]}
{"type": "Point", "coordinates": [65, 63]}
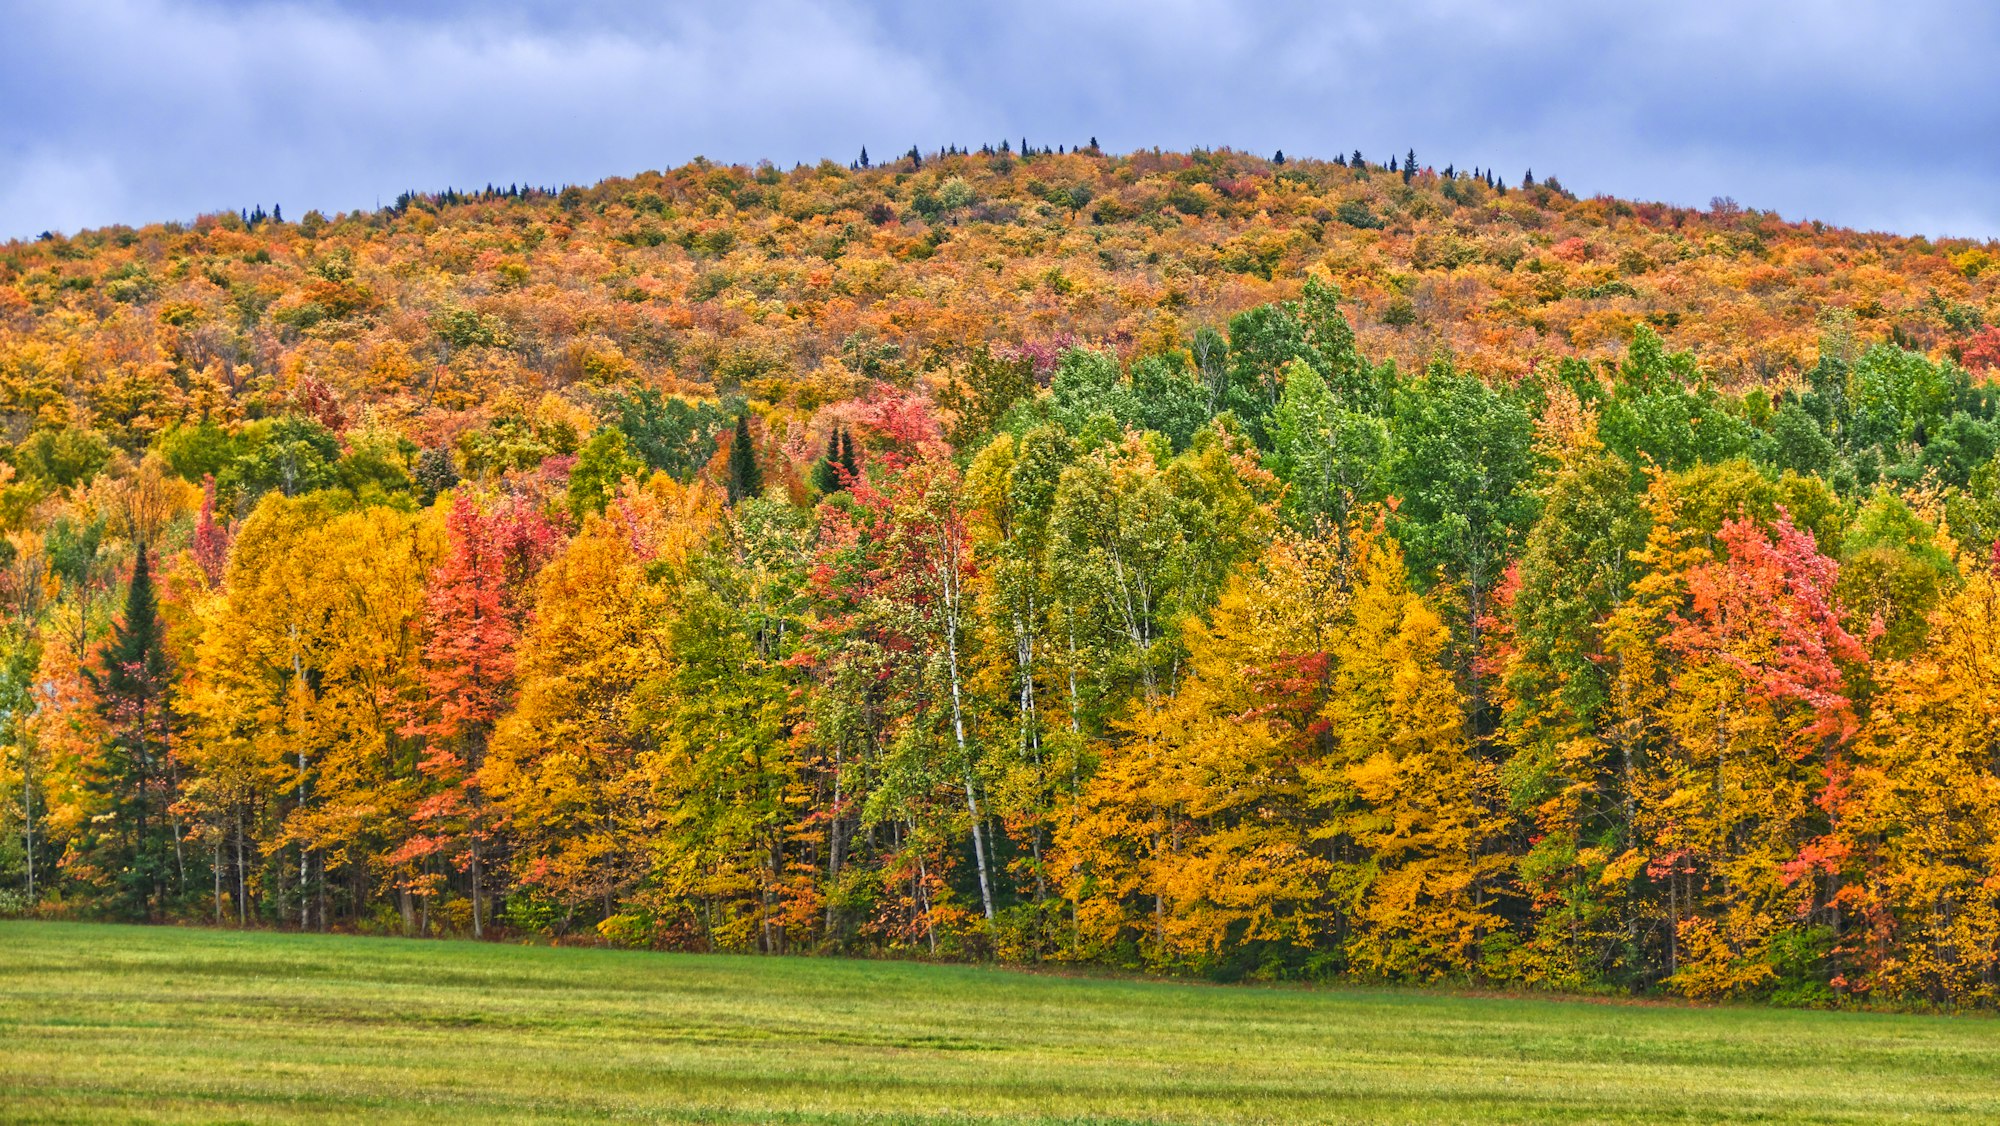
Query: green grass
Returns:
{"type": "Point", "coordinates": [101, 1023]}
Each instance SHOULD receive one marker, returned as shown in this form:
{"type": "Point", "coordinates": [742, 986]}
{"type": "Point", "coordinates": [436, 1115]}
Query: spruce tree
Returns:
{"type": "Point", "coordinates": [1409, 165]}
{"type": "Point", "coordinates": [849, 470]}
{"type": "Point", "coordinates": [134, 684]}
{"type": "Point", "coordinates": [745, 479]}
{"type": "Point", "coordinates": [826, 471]}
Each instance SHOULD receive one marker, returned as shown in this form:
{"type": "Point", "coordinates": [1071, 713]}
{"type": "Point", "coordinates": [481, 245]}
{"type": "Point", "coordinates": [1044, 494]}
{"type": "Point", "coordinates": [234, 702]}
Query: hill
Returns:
{"type": "Point", "coordinates": [447, 311]}
{"type": "Point", "coordinates": [1183, 562]}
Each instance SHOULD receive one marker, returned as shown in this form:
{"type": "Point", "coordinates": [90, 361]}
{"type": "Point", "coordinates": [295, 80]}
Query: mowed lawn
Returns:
{"type": "Point", "coordinates": [102, 1023]}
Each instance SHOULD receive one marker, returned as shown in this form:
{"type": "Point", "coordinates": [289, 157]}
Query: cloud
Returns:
{"type": "Point", "coordinates": [147, 109]}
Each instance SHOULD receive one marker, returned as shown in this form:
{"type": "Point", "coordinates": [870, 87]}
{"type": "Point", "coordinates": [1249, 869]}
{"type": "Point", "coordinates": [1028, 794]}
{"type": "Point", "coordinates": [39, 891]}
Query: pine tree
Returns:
{"type": "Point", "coordinates": [1279, 159]}
{"type": "Point", "coordinates": [864, 157]}
{"type": "Point", "coordinates": [1409, 165]}
{"type": "Point", "coordinates": [745, 478]}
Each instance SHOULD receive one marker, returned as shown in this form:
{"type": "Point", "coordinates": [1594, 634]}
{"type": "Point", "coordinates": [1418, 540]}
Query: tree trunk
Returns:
{"type": "Point", "coordinates": [952, 594]}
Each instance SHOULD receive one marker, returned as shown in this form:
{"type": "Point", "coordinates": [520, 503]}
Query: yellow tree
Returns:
{"type": "Point", "coordinates": [1925, 822]}
{"type": "Point", "coordinates": [1412, 816]}
{"type": "Point", "coordinates": [298, 681]}
{"type": "Point", "coordinates": [1191, 845]}
{"type": "Point", "coordinates": [564, 764]}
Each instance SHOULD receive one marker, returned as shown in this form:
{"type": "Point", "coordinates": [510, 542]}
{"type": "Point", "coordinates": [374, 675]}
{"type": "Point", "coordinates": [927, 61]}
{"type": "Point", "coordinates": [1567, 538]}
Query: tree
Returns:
{"type": "Point", "coordinates": [141, 841]}
{"type": "Point", "coordinates": [564, 765]}
{"type": "Point", "coordinates": [1409, 811]}
{"type": "Point", "coordinates": [475, 604]}
{"type": "Point", "coordinates": [1570, 762]}
{"type": "Point", "coordinates": [732, 859]}
{"type": "Point", "coordinates": [1920, 835]}
{"type": "Point", "coordinates": [1738, 664]}
{"type": "Point", "coordinates": [1330, 455]}
{"type": "Point", "coordinates": [1193, 838]}
{"type": "Point", "coordinates": [745, 478]}
{"type": "Point", "coordinates": [1462, 459]}
{"type": "Point", "coordinates": [601, 469]}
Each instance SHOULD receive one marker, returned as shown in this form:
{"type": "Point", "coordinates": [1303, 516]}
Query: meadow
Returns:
{"type": "Point", "coordinates": [115, 1023]}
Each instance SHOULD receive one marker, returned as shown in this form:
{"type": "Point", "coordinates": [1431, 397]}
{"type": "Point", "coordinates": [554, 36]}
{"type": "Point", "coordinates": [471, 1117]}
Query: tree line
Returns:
{"type": "Point", "coordinates": [1243, 656]}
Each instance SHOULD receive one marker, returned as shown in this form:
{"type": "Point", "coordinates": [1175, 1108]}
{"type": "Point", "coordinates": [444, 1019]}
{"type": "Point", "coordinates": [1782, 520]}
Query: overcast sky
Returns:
{"type": "Point", "coordinates": [1877, 115]}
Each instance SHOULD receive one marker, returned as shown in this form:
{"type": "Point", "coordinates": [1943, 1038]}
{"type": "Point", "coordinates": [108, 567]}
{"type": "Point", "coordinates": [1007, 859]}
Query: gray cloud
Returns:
{"type": "Point", "coordinates": [134, 110]}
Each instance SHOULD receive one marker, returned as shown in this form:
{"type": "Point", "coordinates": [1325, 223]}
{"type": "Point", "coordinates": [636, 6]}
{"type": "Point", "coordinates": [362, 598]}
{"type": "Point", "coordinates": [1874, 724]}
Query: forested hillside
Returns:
{"type": "Point", "coordinates": [1200, 563]}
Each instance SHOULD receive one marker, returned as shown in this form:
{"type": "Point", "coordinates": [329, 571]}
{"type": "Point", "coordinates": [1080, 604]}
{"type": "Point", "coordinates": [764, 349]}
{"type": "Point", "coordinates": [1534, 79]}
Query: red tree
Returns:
{"type": "Point", "coordinates": [473, 616]}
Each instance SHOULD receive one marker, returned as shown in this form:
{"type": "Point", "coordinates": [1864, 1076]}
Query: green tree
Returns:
{"type": "Point", "coordinates": [745, 478]}
{"type": "Point", "coordinates": [601, 467]}
{"type": "Point", "coordinates": [137, 841]}
{"type": "Point", "coordinates": [1461, 464]}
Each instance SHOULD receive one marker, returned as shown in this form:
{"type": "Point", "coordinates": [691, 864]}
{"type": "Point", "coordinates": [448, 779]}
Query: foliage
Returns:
{"type": "Point", "coordinates": [1171, 561]}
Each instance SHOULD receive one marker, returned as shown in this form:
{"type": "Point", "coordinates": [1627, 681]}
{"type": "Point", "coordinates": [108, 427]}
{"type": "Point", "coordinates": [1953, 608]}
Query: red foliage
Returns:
{"type": "Point", "coordinates": [1768, 610]}
{"type": "Point", "coordinates": [211, 540]}
{"type": "Point", "coordinates": [1982, 351]}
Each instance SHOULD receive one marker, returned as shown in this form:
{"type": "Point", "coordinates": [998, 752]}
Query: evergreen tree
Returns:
{"type": "Point", "coordinates": [864, 157]}
{"type": "Point", "coordinates": [1279, 159]}
{"type": "Point", "coordinates": [1409, 165]}
{"type": "Point", "coordinates": [139, 840]}
{"type": "Point", "coordinates": [826, 471]}
{"type": "Point", "coordinates": [745, 479]}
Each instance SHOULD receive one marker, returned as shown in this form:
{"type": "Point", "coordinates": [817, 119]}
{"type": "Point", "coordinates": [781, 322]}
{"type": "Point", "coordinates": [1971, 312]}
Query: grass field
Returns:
{"type": "Point", "coordinates": [101, 1023]}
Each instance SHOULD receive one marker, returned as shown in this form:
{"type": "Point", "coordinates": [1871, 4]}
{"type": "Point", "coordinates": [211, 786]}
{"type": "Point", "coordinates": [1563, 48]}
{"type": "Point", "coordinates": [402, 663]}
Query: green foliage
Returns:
{"type": "Point", "coordinates": [62, 458]}
{"type": "Point", "coordinates": [1460, 470]}
{"type": "Point", "coordinates": [746, 477]}
{"type": "Point", "coordinates": [669, 433]}
{"type": "Point", "coordinates": [601, 468]}
{"type": "Point", "coordinates": [288, 454]}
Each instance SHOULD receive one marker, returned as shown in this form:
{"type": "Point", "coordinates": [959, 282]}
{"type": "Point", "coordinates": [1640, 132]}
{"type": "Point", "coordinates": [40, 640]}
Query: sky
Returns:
{"type": "Point", "coordinates": [1884, 116]}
